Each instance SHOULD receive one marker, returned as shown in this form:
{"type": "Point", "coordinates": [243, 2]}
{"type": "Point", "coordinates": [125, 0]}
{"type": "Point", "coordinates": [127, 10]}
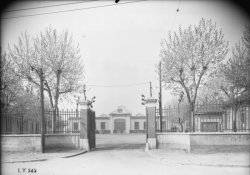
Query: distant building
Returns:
{"type": "Point", "coordinates": [121, 120]}
{"type": "Point", "coordinates": [208, 118]}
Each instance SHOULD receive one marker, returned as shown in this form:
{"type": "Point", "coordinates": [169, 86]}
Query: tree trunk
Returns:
{"type": "Point", "coordinates": [192, 117]}
{"type": "Point", "coordinates": [54, 120]}
{"type": "Point", "coordinates": [181, 124]}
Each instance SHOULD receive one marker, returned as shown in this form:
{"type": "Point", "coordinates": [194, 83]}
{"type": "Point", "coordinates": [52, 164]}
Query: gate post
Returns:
{"type": "Point", "coordinates": [84, 141]}
{"type": "Point", "coordinates": [151, 126]}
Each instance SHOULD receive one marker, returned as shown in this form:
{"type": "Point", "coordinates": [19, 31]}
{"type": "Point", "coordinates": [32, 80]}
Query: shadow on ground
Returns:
{"type": "Point", "coordinates": [102, 147]}
{"type": "Point", "coordinates": [63, 150]}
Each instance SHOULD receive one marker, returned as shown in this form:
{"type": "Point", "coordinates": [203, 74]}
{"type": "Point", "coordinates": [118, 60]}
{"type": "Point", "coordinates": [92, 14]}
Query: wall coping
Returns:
{"type": "Point", "coordinates": [51, 135]}
{"type": "Point", "coordinates": [221, 133]}
{"type": "Point", "coordinates": [37, 135]}
{"type": "Point", "coordinates": [204, 133]}
{"type": "Point", "coordinates": [21, 135]}
{"type": "Point", "coordinates": [172, 133]}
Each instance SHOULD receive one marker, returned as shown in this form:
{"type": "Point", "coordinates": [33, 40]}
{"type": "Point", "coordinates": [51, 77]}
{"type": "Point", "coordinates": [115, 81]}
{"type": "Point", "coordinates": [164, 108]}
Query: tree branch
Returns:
{"type": "Point", "coordinates": [34, 82]}
{"type": "Point", "coordinates": [66, 91]}
{"type": "Point", "coordinates": [198, 83]}
{"type": "Point", "coordinates": [50, 94]}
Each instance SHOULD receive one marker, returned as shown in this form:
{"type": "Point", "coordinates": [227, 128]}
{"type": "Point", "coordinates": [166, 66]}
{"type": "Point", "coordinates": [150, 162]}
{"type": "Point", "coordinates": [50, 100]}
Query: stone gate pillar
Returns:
{"type": "Point", "coordinates": [84, 141]}
{"type": "Point", "coordinates": [151, 126]}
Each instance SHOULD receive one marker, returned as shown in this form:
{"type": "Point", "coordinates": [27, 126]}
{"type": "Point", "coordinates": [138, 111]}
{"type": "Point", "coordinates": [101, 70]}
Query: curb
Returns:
{"type": "Point", "coordinates": [77, 154]}
{"type": "Point", "coordinates": [195, 164]}
{"type": "Point", "coordinates": [41, 160]}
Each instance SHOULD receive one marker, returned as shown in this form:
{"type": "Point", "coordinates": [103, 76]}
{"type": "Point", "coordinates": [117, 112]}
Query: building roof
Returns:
{"type": "Point", "coordinates": [103, 116]}
{"type": "Point", "coordinates": [121, 110]}
{"type": "Point", "coordinates": [209, 109]}
{"type": "Point", "coordinates": [139, 114]}
{"type": "Point", "coordinates": [138, 117]}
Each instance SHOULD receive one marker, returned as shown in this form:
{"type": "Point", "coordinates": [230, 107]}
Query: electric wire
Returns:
{"type": "Point", "coordinates": [47, 6]}
{"type": "Point", "coordinates": [71, 10]}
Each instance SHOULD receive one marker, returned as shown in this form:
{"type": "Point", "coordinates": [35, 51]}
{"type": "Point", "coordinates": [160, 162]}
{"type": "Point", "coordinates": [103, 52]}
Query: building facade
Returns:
{"type": "Point", "coordinates": [208, 118]}
{"type": "Point", "coordinates": [121, 120]}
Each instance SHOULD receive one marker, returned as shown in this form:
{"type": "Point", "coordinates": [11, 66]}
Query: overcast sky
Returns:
{"type": "Point", "coordinates": [120, 44]}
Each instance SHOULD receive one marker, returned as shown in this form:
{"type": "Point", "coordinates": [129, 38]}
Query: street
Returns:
{"type": "Point", "coordinates": [115, 154]}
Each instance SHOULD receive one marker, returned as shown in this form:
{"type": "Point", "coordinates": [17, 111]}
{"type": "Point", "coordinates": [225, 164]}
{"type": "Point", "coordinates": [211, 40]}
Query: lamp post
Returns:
{"type": "Point", "coordinates": [160, 97]}
{"type": "Point", "coordinates": [42, 112]}
{"type": "Point", "coordinates": [41, 77]}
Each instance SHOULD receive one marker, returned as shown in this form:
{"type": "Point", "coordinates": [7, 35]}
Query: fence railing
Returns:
{"type": "Point", "coordinates": [207, 118]}
{"type": "Point", "coordinates": [172, 117]}
{"type": "Point", "coordinates": [60, 121]}
{"type": "Point", "coordinates": [19, 124]}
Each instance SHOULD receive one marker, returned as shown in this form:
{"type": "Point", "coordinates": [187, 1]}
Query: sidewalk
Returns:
{"type": "Point", "coordinates": [17, 157]}
{"type": "Point", "coordinates": [202, 159]}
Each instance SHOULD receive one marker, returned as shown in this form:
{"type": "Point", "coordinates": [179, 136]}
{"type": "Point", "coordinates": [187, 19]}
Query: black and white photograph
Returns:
{"type": "Point", "coordinates": [125, 87]}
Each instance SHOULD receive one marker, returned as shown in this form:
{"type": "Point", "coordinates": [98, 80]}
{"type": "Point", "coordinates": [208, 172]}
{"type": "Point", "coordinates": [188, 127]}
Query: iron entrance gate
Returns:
{"type": "Point", "coordinates": [91, 129]}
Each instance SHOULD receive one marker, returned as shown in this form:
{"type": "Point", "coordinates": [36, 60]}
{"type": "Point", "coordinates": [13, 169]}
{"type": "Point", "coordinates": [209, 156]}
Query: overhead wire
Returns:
{"type": "Point", "coordinates": [47, 6]}
{"type": "Point", "coordinates": [71, 10]}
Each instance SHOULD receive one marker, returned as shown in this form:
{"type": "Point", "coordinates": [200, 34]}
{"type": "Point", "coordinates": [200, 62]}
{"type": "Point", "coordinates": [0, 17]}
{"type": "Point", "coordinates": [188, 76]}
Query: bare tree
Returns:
{"type": "Point", "coordinates": [10, 84]}
{"type": "Point", "coordinates": [237, 69]}
{"type": "Point", "coordinates": [211, 93]}
{"type": "Point", "coordinates": [51, 56]}
{"type": "Point", "coordinates": [16, 96]}
{"type": "Point", "coordinates": [236, 75]}
{"type": "Point", "coordinates": [55, 54]}
{"type": "Point", "coordinates": [189, 55]}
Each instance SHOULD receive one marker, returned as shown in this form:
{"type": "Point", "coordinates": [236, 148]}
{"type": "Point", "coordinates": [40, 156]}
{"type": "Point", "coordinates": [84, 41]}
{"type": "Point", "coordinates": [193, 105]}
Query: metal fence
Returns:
{"type": "Point", "coordinates": [19, 124]}
{"type": "Point", "coordinates": [60, 121]}
{"type": "Point", "coordinates": [172, 118]}
{"type": "Point", "coordinates": [207, 118]}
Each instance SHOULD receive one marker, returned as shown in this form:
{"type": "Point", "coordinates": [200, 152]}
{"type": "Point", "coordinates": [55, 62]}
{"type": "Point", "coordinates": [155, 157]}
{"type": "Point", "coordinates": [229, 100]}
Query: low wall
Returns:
{"type": "Point", "coordinates": [193, 142]}
{"type": "Point", "coordinates": [173, 141]}
{"type": "Point", "coordinates": [220, 142]}
{"type": "Point", "coordinates": [20, 143]}
{"type": "Point", "coordinates": [62, 141]}
{"type": "Point", "coordinates": [32, 142]}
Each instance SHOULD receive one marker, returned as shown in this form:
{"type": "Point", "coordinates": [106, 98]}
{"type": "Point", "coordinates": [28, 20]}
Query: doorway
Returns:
{"type": "Point", "coordinates": [119, 125]}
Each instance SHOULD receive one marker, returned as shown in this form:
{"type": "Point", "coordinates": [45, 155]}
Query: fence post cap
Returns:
{"type": "Point", "coordinates": [150, 102]}
{"type": "Point", "coordinates": [83, 104]}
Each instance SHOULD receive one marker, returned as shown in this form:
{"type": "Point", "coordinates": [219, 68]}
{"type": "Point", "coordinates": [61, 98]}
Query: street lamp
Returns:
{"type": "Point", "coordinates": [91, 102]}
{"type": "Point", "coordinates": [143, 99]}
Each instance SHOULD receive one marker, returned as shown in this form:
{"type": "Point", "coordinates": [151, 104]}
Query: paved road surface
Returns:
{"type": "Point", "coordinates": [117, 154]}
{"type": "Point", "coordinates": [120, 141]}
